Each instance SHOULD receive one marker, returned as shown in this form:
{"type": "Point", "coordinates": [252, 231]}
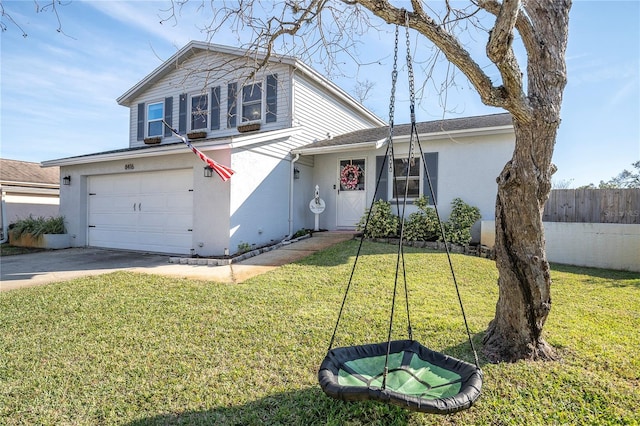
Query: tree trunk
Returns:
{"type": "Point", "coordinates": [524, 281]}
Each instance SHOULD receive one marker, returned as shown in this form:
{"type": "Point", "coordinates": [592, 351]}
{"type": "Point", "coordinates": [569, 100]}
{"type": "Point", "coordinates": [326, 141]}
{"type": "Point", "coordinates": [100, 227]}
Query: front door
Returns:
{"type": "Point", "coordinates": [351, 192]}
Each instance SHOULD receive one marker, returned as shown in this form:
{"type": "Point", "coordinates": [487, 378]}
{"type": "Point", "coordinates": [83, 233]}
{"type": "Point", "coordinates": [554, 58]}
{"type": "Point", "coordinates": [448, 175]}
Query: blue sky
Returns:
{"type": "Point", "coordinates": [58, 90]}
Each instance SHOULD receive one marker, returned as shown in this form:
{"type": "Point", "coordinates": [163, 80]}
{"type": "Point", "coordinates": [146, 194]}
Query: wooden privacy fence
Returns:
{"type": "Point", "coordinates": [593, 206]}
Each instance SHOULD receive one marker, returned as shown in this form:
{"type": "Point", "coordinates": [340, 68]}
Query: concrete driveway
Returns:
{"type": "Point", "coordinates": [34, 269]}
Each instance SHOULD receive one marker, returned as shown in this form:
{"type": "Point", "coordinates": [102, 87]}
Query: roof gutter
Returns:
{"type": "Point", "coordinates": [126, 155]}
{"type": "Point", "coordinates": [335, 148]}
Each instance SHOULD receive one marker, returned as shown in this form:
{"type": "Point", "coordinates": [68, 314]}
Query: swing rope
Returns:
{"type": "Point", "coordinates": [400, 259]}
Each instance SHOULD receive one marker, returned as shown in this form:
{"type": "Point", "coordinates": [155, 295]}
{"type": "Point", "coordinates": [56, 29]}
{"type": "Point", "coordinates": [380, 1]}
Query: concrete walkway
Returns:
{"type": "Point", "coordinates": [34, 269]}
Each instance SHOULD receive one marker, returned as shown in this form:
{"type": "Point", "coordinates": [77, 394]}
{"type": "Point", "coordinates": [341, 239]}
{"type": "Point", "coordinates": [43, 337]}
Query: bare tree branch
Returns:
{"type": "Point", "coordinates": [451, 48]}
{"type": "Point", "coordinates": [51, 6]}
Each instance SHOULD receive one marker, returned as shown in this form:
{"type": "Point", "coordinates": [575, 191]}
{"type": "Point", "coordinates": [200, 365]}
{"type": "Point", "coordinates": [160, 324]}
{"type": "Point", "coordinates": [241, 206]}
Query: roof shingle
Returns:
{"type": "Point", "coordinates": [424, 127]}
{"type": "Point", "coordinates": [24, 171]}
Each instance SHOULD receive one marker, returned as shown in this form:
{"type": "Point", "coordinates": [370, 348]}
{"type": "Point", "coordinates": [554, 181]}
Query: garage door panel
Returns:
{"type": "Point", "coordinates": [161, 238]}
{"type": "Point", "coordinates": [173, 223]}
{"type": "Point", "coordinates": [112, 237]}
{"type": "Point", "coordinates": [113, 184]}
{"type": "Point", "coordinates": [107, 220]}
{"type": "Point", "coordinates": [151, 211]}
{"type": "Point", "coordinates": [100, 203]}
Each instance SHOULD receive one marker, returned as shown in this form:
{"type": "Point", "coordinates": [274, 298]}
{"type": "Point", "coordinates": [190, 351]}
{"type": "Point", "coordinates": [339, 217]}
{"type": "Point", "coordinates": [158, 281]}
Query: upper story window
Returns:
{"type": "Point", "coordinates": [149, 119]}
{"type": "Point", "coordinates": [406, 175]}
{"type": "Point", "coordinates": [252, 102]}
{"type": "Point", "coordinates": [199, 112]}
{"type": "Point", "coordinates": [155, 114]}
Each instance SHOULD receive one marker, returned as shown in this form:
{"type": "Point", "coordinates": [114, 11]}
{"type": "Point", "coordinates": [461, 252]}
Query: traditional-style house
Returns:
{"type": "Point", "coordinates": [283, 129]}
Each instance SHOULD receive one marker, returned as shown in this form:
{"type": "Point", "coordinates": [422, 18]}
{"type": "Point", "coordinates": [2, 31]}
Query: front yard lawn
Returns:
{"type": "Point", "coordinates": [137, 349]}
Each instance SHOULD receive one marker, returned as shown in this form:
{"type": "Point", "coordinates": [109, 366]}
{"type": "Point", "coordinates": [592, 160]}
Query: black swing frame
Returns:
{"type": "Point", "coordinates": [470, 374]}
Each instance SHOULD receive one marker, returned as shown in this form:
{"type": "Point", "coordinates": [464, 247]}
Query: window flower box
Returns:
{"type": "Point", "coordinates": [248, 127]}
{"type": "Point", "coordinates": [197, 135]}
{"type": "Point", "coordinates": [153, 141]}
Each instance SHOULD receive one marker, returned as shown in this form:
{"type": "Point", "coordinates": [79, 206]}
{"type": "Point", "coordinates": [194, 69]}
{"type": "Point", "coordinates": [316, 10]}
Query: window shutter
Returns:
{"type": "Point", "coordinates": [272, 98]}
{"type": "Point", "coordinates": [168, 115]}
{"type": "Point", "coordinates": [182, 113]}
{"type": "Point", "coordinates": [232, 95]}
{"type": "Point", "coordinates": [382, 189]}
{"type": "Point", "coordinates": [215, 108]}
{"type": "Point", "coordinates": [140, 134]}
{"type": "Point", "coordinates": [431, 162]}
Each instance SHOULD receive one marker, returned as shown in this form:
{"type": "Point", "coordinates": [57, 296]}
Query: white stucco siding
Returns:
{"type": "Point", "coordinates": [259, 205]}
{"type": "Point", "coordinates": [194, 77]}
{"type": "Point", "coordinates": [210, 196]}
{"type": "Point", "coordinates": [321, 114]}
{"type": "Point", "coordinates": [467, 169]}
{"type": "Point", "coordinates": [19, 205]}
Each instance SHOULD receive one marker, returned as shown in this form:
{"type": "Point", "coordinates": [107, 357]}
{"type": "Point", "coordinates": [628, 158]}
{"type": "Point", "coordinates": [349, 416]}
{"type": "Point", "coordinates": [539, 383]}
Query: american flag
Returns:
{"type": "Point", "coordinates": [223, 171]}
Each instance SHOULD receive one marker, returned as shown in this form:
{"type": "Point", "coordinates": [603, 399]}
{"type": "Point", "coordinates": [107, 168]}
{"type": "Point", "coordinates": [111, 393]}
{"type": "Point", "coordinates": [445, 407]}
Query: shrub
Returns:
{"type": "Point", "coordinates": [462, 217]}
{"type": "Point", "coordinates": [382, 222]}
{"type": "Point", "coordinates": [301, 232]}
{"type": "Point", "coordinates": [244, 247]}
{"type": "Point", "coordinates": [423, 224]}
{"type": "Point", "coordinates": [38, 226]}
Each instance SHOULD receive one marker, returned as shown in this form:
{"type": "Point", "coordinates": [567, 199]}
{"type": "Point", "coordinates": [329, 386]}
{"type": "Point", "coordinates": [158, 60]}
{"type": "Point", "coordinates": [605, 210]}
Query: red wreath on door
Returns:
{"type": "Point", "coordinates": [349, 176]}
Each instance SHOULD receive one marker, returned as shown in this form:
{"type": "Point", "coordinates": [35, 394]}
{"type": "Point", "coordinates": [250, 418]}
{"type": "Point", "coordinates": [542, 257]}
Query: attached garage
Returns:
{"type": "Point", "coordinates": [149, 211]}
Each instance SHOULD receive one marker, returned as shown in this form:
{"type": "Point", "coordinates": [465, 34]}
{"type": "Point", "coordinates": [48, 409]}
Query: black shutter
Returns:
{"type": "Point", "coordinates": [232, 95]}
{"type": "Point", "coordinates": [168, 115]}
{"type": "Point", "coordinates": [272, 98]}
{"type": "Point", "coordinates": [215, 108]}
{"type": "Point", "coordinates": [382, 189]}
{"type": "Point", "coordinates": [182, 113]}
{"type": "Point", "coordinates": [140, 133]}
{"type": "Point", "coordinates": [431, 162]}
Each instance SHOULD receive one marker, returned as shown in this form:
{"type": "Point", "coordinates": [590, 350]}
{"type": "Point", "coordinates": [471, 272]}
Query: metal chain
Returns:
{"type": "Point", "coordinates": [392, 100]}
{"type": "Point", "coordinates": [412, 92]}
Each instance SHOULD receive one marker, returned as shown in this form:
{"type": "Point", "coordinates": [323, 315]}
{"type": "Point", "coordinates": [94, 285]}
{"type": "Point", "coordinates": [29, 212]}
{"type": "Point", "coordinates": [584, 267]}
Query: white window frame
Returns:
{"type": "Point", "coordinates": [419, 177]}
{"type": "Point", "coordinates": [261, 84]}
{"type": "Point", "coordinates": [149, 120]}
{"type": "Point", "coordinates": [204, 112]}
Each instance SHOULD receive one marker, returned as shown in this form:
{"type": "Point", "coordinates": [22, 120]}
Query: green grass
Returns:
{"type": "Point", "coordinates": [139, 349]}
{"type": "Point", "coordinates": [9, 250]}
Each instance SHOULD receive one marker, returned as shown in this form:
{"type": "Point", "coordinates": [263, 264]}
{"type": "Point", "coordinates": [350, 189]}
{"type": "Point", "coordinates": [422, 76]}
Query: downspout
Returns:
{"type": "Point", "coordinates": [3, 213]}
{"type": "Point", "coordinates": [291, 174]}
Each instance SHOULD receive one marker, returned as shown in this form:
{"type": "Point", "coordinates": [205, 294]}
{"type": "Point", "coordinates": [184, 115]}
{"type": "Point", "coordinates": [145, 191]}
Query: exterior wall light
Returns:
{"type": "Point", "coordinates": [66, 180]}
{"type": "Point", "coordinates": [296, 173]}
{"type": "Point", "coordinates": [208, 172]}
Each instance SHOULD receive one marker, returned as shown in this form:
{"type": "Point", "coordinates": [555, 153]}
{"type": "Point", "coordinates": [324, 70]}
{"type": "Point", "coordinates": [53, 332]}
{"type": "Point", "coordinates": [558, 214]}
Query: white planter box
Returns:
{"type": "Point", "coordinates": [57, 241]}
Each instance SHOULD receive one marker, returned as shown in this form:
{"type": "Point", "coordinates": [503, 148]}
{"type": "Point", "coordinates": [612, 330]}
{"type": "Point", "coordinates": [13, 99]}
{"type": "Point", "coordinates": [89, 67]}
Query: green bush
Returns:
{"type": "Point", "coordinates": [382, 222]}
{"type": "Point", "coordinates": [38, 226]}
{"type": "Point", "coordinates": [462, 217]}
{"type": "Point", "coordinates": [244, 247]}
{"type": "Point", "coordinates": [423, 224]}
{"type": "Point", "coordinates": [301, 232]}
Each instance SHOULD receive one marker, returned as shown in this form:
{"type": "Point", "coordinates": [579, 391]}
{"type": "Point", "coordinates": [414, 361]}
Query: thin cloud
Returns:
{"type": "Point", "coordinates": [141, 16]}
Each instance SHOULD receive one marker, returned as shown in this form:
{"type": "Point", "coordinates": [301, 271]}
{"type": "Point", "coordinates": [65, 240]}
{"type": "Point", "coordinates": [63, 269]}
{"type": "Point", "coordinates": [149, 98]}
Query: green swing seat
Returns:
{"type": "Point", "coordinates": [418, 378]}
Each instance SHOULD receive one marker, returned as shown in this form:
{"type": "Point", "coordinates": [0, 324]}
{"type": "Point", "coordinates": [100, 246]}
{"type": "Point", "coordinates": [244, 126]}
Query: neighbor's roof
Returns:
{"type": "Point", "coordinates": [483, 124]}
{"type": "Point", "coordinates": [14, 172]}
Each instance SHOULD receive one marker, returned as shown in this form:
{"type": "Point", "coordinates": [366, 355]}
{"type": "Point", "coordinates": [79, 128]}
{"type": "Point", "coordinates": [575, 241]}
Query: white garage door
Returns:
{"type": "Point", "coordinates": [150, 211]}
